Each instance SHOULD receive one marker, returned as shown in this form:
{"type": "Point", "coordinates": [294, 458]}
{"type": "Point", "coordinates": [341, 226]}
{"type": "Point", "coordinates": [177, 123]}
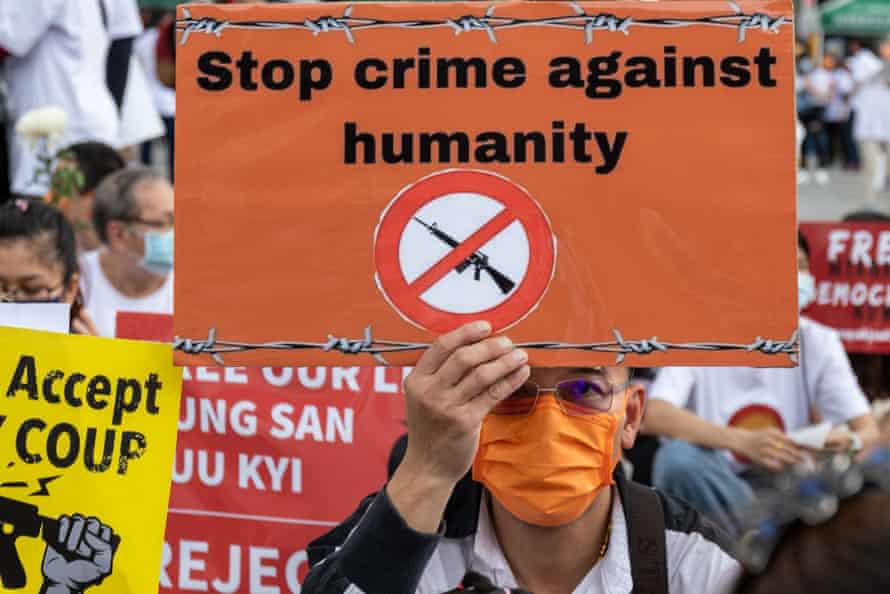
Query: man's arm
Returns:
{"type": "Point", "coordinates": [385, 546]}
{"type": "Point", "coordinates": [766, 447]}
{"type": "Point", "coordinates": [839, 397]}
{"type": "Point", "coordinates": [665, 419]}
{"type": "Point", "coordinates": [864, 427]}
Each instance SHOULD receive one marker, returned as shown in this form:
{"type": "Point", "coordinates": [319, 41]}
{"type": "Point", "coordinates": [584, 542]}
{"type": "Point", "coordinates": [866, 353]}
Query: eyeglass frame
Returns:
{"type": "Point", "coordinates": [31, 296]}
{"type": "Point", "coordinates": [154, 225]}
{"type": "Point", "coordinates": [613, 389]}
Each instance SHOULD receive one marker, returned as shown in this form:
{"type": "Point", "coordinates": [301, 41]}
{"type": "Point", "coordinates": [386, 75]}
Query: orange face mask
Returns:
{"type": "Point", "coordinates": [547, 467]}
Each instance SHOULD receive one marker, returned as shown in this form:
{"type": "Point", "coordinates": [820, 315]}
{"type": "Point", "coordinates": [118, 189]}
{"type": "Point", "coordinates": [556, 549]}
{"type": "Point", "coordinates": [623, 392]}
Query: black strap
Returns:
{"type": "Point", "coordinates": [474, 583]}
{"type": "Point", "coordinates": [645, 536]}
{"type": "Point", "coordinates": [104, 12]}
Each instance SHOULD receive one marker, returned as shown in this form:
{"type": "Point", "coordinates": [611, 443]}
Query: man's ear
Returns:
{"type": "Point", "coordinates": [633, 414]}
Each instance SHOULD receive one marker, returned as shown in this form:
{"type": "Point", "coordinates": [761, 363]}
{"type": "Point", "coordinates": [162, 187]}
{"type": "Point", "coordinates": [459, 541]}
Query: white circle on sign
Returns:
{"type": "Point", "coordinates": [459, 216]}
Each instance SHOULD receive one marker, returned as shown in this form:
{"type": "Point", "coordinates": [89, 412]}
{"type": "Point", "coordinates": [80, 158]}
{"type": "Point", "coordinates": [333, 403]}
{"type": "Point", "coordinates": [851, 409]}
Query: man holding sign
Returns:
{"type": "Point", "coordinates": [544, 444]}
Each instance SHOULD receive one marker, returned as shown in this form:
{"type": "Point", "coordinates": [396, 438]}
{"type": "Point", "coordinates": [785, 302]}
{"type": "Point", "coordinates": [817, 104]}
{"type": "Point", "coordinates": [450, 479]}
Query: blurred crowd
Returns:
{"type": "Point", "coordinates": [843, 105]}
{"type": "Point", "coordinates": [88, 214]}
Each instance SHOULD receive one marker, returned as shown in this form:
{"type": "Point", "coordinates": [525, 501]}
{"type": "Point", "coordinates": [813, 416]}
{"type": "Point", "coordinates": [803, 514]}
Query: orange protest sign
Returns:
{"type": "Point", "coordinates": [603, 181]}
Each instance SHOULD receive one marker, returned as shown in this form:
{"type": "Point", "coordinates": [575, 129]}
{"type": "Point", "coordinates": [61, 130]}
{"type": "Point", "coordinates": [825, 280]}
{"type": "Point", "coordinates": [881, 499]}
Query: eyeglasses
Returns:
{"type": "Point", "coordinates": [576, 397]}
{"type": "Point", "coordinates": [162, 225]}
{"type": "Point", "coordinates": [22, 294]}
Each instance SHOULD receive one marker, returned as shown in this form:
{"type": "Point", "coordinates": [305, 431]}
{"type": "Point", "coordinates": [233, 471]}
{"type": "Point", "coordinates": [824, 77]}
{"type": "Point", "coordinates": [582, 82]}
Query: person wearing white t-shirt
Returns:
{"type": "Point", "coordinates": [164, 97]}
{"type": "Point", "coordinates": [729, 423]}
{"type": "Point", "coordinates": [871, 123]}
{"type": "Point", "coordinates": [133, 271]}
{"type": "Point", "coordinates": [819, 87]}
{"type": "Point", "coordinates": [58, 51]}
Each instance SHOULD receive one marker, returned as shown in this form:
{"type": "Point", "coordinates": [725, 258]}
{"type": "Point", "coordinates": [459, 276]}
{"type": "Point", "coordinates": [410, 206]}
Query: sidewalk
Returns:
{"type": "Point", "coordinates": [841, 195]}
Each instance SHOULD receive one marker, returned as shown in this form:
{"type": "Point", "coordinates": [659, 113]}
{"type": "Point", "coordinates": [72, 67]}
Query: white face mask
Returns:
{"type": "Point", "coordinates": [806, 289]}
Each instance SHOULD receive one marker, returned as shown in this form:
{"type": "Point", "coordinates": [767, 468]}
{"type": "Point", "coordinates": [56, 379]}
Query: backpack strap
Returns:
{"type": "Point", "coordinates": [645, 535]}
{"type": "Point", "coordinates": [104, 12]}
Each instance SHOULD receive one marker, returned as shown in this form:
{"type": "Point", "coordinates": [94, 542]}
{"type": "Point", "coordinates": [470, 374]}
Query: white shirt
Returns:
{"type": "Point", "coordinates": [164, 97]}
{"type": "Point", "coordinates": [819, 85]}
{"type": "Point", "coordinates": [103, 301]}
{"type": "Point", "coordinates": [780, 397]}
{"type": "Point", "coordinates": [695, 564]}
{"type": "Point", "coordinates": [838, 109]}
{"type": "Point", "coordinates": [123, 18]}
{"type": "Point", "coordinates": [871, 99]}
{"type": "Point", "coordinates": [59, 50]}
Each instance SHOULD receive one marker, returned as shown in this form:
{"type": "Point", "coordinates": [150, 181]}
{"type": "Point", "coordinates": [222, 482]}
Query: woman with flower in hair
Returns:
{"type": "Point", "coordinates": [38, 259]}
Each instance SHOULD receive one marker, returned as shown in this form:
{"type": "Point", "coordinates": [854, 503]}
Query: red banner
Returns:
{"type": "Point", "coordinates": [851, 265]}
{"type": "Point", "coordinates": [267, 460]}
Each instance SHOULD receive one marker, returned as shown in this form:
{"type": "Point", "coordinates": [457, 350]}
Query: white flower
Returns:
{"type": "Point", "coordinates": [48, 122]}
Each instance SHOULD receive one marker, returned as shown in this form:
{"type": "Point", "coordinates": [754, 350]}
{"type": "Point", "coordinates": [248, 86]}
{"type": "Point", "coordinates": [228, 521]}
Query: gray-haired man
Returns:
{"type": "Point", "coordinates": [133, 270]}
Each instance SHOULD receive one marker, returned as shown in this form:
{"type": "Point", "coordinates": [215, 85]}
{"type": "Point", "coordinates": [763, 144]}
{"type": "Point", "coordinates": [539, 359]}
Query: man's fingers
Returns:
{"type": "Point", "coordinates": [771, 463]}
{"type": "Point", "coordinates": [78, 523]}
{"type": "Point", "coordinates": [64, 526]}
{"type": "Point", "coordinates": [482, 377]}
{"type": "Point", "coordinates": [443, 346]}
{"type": "Point", "coordinates": [467, 358]}
{"type": "Point", "coordinates": [482, 404]}
{"type": "Point", "coordinates": [97, 543]}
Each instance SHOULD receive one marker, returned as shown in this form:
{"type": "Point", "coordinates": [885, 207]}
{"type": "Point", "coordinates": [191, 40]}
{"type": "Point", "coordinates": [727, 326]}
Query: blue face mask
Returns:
{"type": "Point", "coordinates": [806, 289]}
{"type": "Point", "coordinates": [158, 258]}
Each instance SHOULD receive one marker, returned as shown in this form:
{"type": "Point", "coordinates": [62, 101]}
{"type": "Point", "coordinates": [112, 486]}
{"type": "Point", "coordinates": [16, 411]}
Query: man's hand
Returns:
{"type": "Point", "coordinates": [459, 379]}
{"type": "Point", "coordinates": [839, 439]}
{"type": "Point", "coordinates": [88, 543]}
{"type": "Point", "coordinates": [768, 447]}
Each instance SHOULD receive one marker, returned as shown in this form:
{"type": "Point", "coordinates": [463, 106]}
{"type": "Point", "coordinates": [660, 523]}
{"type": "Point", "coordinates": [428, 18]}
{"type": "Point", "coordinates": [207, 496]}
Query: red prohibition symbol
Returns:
{"type": "Point", "coordinates": [464, 245]}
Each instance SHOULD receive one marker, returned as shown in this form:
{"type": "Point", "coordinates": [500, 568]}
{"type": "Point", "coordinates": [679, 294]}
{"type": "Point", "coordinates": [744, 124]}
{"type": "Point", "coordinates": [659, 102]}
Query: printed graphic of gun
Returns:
{"type": "Point", "coordinates": [477, 260]}
{"type": "Point", "coordinates": [22, 519]}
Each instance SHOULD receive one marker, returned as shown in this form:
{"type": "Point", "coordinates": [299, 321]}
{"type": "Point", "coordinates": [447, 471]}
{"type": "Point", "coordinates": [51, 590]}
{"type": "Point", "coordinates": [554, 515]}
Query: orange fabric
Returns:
{"type": "Point", "coordinates": [546, 468]}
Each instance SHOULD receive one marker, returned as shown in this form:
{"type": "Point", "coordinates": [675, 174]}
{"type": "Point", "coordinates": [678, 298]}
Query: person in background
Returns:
{"type": "Point", "coordinates": [728, 426]}
{"type": "Point", "coordinates": [95, 161]}
{"type": "Point", "coordinates": [871, 126]}
{"type": "Point", "coordinates": [837, 113]}
{"type": "Point", "coordinates": [57, 56]}
{"type": "Point", "coordinates": [164, 96]}
{"type": "Point", "coordinates": [133, 271]}
{"type": "Point", "coordinates": [38, 259]}
{"type": "Point", "coordinates": [818, 88]}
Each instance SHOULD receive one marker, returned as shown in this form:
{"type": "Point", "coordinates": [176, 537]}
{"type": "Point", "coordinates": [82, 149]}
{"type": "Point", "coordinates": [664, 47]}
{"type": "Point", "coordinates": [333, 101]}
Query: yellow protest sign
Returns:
{"type": "Point", "coordinates": [87, 438]}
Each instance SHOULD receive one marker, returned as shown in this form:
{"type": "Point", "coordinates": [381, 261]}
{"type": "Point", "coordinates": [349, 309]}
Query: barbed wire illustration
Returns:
{"type": "Point", "coordinates": [490, 24]}
{"type": "Point", "coordinates": [369, 345]}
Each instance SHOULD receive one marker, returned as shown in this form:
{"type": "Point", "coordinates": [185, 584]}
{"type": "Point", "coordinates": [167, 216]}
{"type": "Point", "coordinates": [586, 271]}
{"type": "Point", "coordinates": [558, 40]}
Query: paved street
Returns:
{"type": "Point", "coordinates": [841, 195]}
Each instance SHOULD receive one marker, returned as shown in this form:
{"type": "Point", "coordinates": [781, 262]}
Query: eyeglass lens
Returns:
{"type": "Point", "coordinates": [575, 397]}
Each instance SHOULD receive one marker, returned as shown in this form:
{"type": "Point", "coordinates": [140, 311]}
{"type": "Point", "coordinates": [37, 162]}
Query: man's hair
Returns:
{"type": "Point", "coordinates": [846, 554]}
{"type": "Point", "coordinates": [116, 197]}
{"type": "Point", "coordinates": [34, 220]}
{"type": "Point", "coordinates": [96, 161]}
{"type": "Point", "coordinates": [803, 244]}
{"type": "Point", "coordinates": [864, 216]}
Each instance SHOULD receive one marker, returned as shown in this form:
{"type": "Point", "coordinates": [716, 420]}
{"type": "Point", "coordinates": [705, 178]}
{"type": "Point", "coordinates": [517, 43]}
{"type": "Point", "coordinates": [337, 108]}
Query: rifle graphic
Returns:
{"type": "Point", "coordinates": [477, 260]}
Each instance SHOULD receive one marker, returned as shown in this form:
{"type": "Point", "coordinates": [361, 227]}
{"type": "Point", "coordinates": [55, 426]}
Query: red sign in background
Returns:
{"type": "Point", "coordinates": [851, 265]}
{"type": "Point", "coordinates": [267, 460]}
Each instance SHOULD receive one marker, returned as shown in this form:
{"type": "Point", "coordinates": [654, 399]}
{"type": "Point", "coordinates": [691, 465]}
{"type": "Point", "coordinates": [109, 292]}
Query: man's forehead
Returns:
{"type": "Point", "coordinates": [154, 195]}
{"type": "Point", "coordinates": [551, 375]}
